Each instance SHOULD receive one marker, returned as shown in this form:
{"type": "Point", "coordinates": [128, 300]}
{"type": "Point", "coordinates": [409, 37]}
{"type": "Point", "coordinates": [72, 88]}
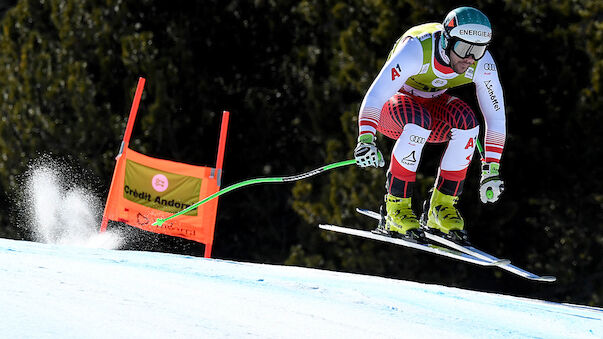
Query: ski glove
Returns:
{"type": "Point", "coordinates": [366, 152]}
{"type": "Point", "coordinates": [491, 186]}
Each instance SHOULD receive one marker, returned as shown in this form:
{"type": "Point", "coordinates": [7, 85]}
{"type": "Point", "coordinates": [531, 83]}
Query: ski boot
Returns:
{"type": "Point", "coordinates": [399, 220]}
{"type": "Point", "coordinates": [441, 217]}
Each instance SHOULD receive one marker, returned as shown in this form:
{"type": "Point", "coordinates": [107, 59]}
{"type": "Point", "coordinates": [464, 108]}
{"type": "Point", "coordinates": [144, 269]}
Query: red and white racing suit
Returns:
{"type": "Point", "coordinates": [407, 102]}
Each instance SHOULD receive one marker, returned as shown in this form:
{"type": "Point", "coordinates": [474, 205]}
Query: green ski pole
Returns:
{"type": "Point", "coordinates": [480, 149]}
{"type": "Point", "coordinates": [160, 222]}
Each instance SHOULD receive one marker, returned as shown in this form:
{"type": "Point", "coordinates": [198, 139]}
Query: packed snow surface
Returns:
{"type": "Point", "coordinates": [67, 291]}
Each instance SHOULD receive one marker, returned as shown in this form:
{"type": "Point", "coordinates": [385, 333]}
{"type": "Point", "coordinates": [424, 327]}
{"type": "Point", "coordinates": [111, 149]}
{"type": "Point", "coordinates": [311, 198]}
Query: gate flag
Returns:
{"type": "Point", "coordinates": [144, 189]}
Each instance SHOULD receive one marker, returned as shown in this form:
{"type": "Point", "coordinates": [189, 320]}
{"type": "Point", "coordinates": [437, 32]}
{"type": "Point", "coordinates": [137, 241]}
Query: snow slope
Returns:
{"type": "Point", "coordinates": [65, 291]}
{"type": "Point", "coordinates": [72, 284]}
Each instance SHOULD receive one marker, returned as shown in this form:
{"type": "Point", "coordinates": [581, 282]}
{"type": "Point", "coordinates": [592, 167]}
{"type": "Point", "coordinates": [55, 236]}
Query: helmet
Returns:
{"type": "Point", "coordinates": [466, 30]}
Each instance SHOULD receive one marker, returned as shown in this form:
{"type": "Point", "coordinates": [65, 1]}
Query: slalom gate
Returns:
{"type": "Point", "coordinates": [144, 189]}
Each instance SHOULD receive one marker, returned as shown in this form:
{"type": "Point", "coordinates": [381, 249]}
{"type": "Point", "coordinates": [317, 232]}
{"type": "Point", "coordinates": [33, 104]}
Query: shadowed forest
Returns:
{"type": "Point", "coordinates": [293, 75]}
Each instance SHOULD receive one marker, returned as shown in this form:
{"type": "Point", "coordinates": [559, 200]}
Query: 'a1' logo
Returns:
{"type": "Point", "coordinates": [396, 72]}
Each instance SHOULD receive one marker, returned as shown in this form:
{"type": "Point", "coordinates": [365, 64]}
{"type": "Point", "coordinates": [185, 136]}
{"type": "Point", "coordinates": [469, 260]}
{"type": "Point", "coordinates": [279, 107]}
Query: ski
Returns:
{"type": "Point", "coordinates": [465, 249]}
{"type": "Point", "coordinates": [485, 256]}
{"type": "Point", "coordinates": [431, 248]}
{"type": "Point", "coordinates": [472, 251]}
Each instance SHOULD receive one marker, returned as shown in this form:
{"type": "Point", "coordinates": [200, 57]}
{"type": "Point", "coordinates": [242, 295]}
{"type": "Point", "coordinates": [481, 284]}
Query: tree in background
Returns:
{"type": "Point", "coordinates": [69, 72]}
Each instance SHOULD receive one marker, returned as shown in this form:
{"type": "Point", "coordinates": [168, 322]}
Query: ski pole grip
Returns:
{"type": "Point", "coordinates": [489, 193]}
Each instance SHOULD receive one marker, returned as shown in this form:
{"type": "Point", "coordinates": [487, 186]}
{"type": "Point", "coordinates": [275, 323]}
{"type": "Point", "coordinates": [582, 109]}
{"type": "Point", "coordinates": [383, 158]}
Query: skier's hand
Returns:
{"type": "Point", "coordinates": [491, 186]}
{"type": "Point", "coordinates": [366, 152]}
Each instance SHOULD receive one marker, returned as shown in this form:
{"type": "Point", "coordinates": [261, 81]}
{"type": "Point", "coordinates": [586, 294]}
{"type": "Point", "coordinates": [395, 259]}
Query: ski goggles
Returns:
{"type": "Point", "coordinates": [465, 49]}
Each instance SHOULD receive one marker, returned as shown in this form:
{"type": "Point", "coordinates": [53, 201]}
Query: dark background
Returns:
{"type": "Point", "coordinates": [293, 74]}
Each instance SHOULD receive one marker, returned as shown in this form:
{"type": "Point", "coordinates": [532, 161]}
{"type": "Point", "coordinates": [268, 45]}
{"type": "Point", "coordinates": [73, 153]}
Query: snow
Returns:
{"type": "Point", "coordinates": [72, 283]}
{"type": "Point", "coordinates": [63, 291]}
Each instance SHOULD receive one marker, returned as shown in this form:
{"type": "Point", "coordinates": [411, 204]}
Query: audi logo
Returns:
{"type": "Point", "coordinates": [490, 67]}
{"type": "Point", "coordinates": [417, 139]}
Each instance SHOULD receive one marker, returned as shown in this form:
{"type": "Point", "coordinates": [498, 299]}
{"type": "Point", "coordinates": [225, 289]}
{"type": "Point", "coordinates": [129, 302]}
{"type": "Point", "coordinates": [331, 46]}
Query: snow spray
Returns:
{"type": "Point", "coordinates": [58, 208]}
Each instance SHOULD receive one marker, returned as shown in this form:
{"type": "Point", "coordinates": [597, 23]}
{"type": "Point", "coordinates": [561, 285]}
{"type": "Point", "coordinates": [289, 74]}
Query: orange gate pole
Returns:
{"type": "Point", "coordinates": [124, 144]}
{"type": "Point", "coordinates": [222, 145]}
{"type": "Point", "coordinates": [219, 163]}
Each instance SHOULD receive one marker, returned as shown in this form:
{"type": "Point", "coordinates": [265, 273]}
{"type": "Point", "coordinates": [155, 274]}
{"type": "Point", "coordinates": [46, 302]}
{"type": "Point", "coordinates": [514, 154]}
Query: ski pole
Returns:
{"type": "Point", "coordinates": [480, 149]}
{"type": "Point", "coordinates": [159, 222]}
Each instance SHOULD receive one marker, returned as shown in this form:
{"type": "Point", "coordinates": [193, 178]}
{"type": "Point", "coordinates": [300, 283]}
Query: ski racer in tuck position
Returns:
{"type": "Point", "coordinates": [407, 102]}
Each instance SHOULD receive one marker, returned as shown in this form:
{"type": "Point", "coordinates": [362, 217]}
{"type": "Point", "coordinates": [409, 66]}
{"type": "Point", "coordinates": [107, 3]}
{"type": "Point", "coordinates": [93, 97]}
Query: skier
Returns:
{"type": "Point", "coordinates": [407, 102]}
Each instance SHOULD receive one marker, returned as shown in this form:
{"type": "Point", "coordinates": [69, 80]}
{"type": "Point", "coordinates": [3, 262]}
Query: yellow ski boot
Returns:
{"type": "Point", "coordinates": [442, 218]}
{"type": "Point", "coordinates": [401, 221]}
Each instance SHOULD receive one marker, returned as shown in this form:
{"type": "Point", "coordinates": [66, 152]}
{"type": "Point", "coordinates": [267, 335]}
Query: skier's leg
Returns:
{"type": "Point", "coordinates": [405, 159]}
{"type": "Point", "coordinates": [407, 121]}
{"type": "Point", "coordinates": [455, 122]}
{"type": "Point", "coordinates": [456, 160]}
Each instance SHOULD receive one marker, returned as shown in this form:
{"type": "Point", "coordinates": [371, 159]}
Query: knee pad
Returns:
{"type": "Point", "coordinates": [408, 148]}
{"type": "Point", "coordinates": [460, 149]}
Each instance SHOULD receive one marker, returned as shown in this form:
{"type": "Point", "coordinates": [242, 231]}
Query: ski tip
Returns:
{"type": "Point", "coordinates": [547, 278]}
{"type": "Point", "coordinates": [368, 213]}
{"type": "Point", "coordinates": [327, 227]}
{"type": "Point", "coordinates": [363, 211]}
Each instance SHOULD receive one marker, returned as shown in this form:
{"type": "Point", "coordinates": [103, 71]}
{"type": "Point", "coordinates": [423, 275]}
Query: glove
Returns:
{"type": "Point", "coordinates": [366, 152]}
{"type": "Point", "coordinates": [491, 186]}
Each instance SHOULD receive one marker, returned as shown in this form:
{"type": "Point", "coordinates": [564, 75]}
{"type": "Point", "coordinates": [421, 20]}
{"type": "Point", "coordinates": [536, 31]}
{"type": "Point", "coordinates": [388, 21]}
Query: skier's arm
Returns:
{"type": "Point", "coordinates": [405, 61]}
{"type": "Point", "coordinates": [492, 104]}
